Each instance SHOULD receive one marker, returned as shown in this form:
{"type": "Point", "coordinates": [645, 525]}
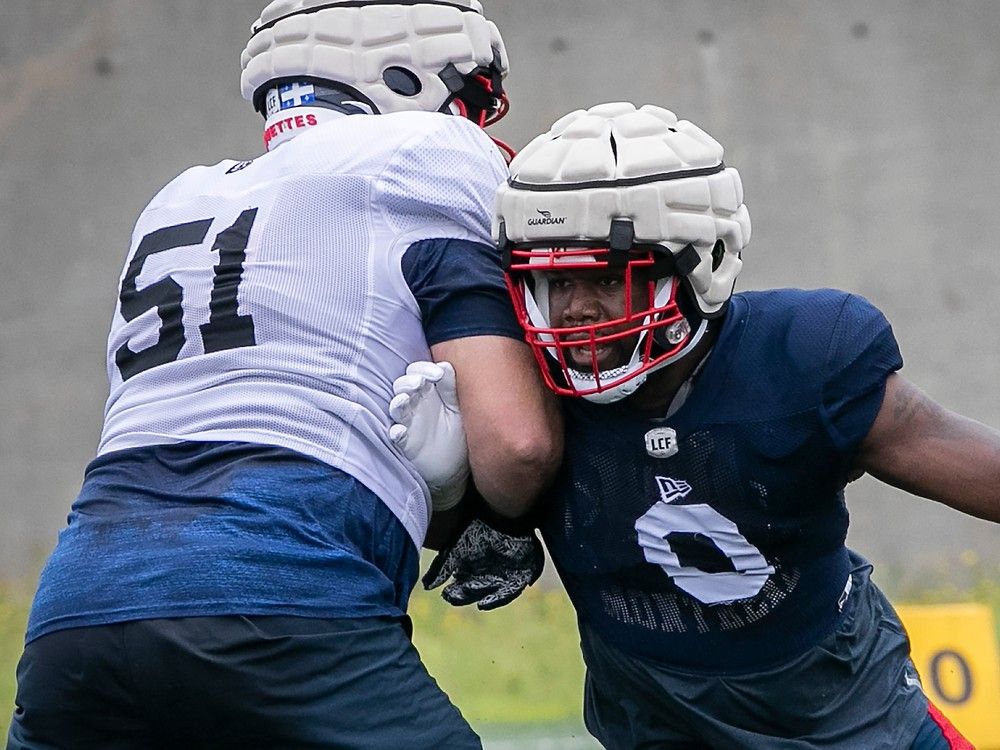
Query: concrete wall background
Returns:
{"type": "Point", "coordinates": [865, 135]}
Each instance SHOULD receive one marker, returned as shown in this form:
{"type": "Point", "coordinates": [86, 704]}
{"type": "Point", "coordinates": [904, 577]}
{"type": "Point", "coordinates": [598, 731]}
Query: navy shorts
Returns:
{"type": "Point", "coordinates": [857, 688]}
{"type": "Point", "coordinates": [232, 682]}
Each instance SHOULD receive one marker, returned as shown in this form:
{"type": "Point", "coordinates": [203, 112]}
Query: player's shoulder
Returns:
{"type": "Point", "coordinates": [443, 142]}
{"type": "Point", "coordinates": [435, 125]}
{"type": "Point", "coordinates": [398, 142]}
{"type": "Point", "coordinates": [201, 179]}
{"type": "Point", "coordinates": [406, 129]}
{"type": "Point", "coordinates": [804, 312]}
{"type": "Point", "coordinates": [448, 164]}
{"type": "Point", "coordinates": [799, 329]}
{"type": "Point", "coordinates": [801, 302]}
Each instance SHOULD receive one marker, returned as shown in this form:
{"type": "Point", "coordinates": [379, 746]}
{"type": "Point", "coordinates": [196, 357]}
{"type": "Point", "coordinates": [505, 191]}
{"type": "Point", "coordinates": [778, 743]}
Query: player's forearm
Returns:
{"type": "Point", "coordinates": [512, 422]}
{"type": "Point", "coordinates": [511, 471]}
{"type": "Point", "coordinates": [515, 492]}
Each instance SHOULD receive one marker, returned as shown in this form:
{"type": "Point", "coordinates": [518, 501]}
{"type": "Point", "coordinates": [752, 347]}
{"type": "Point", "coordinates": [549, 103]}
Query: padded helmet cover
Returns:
{"type": "Point", "coordinates": [355, 43]}
{"type": "Point", "coordinates": [617, 161]}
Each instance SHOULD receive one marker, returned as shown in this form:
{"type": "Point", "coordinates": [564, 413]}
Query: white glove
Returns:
{"type": "Point", "coordinates": [428, 429]}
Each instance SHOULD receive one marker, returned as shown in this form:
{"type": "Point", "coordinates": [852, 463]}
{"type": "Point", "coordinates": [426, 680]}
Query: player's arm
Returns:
{"type": "Point", "coordinates": [512, 422]}
{"type": "Point", "coordinates": [921, 447]}
{"type": "Point", "coordinates": [442, 183]}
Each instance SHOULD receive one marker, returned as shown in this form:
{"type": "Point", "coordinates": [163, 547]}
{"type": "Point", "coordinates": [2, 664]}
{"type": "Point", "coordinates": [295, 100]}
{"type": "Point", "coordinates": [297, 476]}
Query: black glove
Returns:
{"type": "Point", "coordinates": [490, 567]}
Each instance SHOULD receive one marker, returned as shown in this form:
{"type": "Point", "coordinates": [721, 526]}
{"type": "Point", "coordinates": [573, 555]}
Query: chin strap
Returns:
{"type": "Point", "coordinates": [623, 390]}
{"type": "Point", "coordinates": [507, 152]}
{"type": "Point", "coordinates": [686, 387]}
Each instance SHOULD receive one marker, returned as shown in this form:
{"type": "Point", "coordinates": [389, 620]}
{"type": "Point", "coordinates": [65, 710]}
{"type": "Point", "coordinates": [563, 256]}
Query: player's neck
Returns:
{"type": "Point", "coordinates": [658, 392]}
{"type": "Point", "coordinates": [283, 126]}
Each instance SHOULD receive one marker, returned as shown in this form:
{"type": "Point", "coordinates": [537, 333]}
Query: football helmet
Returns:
{"type": "Point", "coordinates": [380, 57]}
{"type": "Point", "coordinates": [634, 191]}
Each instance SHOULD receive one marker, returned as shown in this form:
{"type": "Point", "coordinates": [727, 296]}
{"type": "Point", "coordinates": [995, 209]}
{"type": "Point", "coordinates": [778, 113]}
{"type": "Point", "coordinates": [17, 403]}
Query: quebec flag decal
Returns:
{"type": "Point", "coordinates": [296, 94]}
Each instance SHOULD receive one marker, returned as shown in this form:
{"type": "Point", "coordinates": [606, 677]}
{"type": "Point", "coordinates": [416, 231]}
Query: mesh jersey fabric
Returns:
{"type": "Point", "coordinates": [244, 465]}
{"type": "Point", "coordinates": [742, 558]}
{"type": "Point", "coordinates": [323, 222]}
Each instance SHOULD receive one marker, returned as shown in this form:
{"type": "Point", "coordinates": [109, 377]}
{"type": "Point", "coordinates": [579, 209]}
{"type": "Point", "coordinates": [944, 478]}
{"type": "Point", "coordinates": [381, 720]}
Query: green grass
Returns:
{"type": "Point", "coordinates": [13, 616]}
{"type": "Point", "coordinates": [517, 669]}
{"type": "Point", "coordinates": [518, 664]}
{"type": "Point", "coordinates": [968, 579]}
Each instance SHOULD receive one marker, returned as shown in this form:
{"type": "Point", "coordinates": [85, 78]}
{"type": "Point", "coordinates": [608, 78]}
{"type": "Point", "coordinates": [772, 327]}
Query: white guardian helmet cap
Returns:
{"type": "Point", "coordinates": [617, 186]}
{"type": "Point", "coordinates": [381, 57]}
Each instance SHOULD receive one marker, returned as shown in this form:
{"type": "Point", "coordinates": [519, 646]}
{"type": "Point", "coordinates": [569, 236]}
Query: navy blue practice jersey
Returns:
{"type": "Point", "coordinates": [714, 539]}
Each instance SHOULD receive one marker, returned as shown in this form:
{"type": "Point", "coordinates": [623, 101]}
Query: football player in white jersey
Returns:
{"type": "Point", "coordinates": [698, 522]}
{"type": "Point", "coordinates": [236, 569]}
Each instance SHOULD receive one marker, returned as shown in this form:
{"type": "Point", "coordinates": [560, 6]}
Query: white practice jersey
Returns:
{"type": "Point", "coordinates": [263, 301]}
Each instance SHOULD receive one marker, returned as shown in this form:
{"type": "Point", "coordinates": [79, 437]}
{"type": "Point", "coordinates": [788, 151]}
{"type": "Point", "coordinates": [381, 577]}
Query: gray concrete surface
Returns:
{"type": "Point", "coordinates": [865, 134]}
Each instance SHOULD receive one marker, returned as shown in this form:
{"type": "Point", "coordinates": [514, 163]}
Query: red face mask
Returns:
{"type": "Point", "coordinates": [597, 320]}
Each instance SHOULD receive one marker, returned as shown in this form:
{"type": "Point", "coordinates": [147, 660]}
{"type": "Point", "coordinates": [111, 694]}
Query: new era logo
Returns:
{"type": "Point", "coordinates": [672, 489]}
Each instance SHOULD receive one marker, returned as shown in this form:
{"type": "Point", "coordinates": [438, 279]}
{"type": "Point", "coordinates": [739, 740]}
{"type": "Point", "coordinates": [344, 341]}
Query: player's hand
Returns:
{"type": "Point", "coordinates": [489, 568]}
{"type": "Point", "coordinates": [428, 429]}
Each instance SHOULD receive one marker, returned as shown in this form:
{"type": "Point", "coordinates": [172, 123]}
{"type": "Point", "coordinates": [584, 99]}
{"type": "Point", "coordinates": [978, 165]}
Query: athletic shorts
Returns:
{"type": "Point", "coordinates": [855, 689]}
{"type": "Point", "coordinates": [232, 682]}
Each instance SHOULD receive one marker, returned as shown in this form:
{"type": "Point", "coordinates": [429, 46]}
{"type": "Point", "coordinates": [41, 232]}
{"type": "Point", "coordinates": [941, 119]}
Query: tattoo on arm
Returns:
{"type": "Point", "coordinates": [910, 404]}
{"type": "Point", "coordinates": [910, 407]}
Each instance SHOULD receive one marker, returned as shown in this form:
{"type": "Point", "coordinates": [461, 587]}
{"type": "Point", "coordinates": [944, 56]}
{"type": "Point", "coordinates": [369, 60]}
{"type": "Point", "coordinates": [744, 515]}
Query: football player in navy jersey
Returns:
{"type": "Point", "coordinates": [698, 522]}
{"type": "Point", "coordinates": [236, 568]}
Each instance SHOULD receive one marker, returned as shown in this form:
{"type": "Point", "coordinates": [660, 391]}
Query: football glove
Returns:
{"type": "Point", "coordinates": [489, 567]}
{"type": "Point", "coordinates": [428, 429]}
